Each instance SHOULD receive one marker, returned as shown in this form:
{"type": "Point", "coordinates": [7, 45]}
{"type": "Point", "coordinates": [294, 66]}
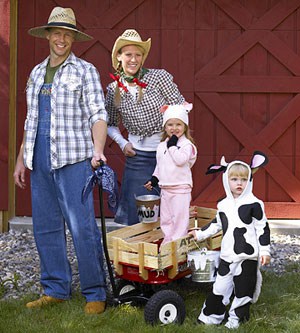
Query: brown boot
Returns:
{"type": "Point", "coordinates": [43, 301]}
{"type": "Point", "coordinates": [94, 307]}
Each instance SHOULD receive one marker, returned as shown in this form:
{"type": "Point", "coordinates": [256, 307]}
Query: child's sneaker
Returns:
{"type": "Point", "coordinates": [232, 323]}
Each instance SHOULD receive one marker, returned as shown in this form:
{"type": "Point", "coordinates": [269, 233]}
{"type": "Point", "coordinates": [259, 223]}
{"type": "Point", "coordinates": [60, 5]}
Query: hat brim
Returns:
{"type": "Point", "coordinates": [121, 42]}
{"type": "Point", "coordinates": [41, 32]}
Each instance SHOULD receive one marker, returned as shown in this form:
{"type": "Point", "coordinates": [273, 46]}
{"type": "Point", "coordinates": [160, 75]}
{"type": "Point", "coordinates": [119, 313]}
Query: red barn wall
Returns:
{"type": "Point", "coordinates": [4, 101]}
{"type": "Point", "coordinates": [236, 61]}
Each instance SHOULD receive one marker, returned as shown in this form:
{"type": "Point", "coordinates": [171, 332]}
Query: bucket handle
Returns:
{"type": "Point", "coordinates": [153, 188]}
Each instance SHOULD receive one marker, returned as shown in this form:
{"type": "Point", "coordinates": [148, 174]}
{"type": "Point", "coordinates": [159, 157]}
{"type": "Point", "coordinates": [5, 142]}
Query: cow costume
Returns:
{"type": "Point", "coordinates": [246, 237]}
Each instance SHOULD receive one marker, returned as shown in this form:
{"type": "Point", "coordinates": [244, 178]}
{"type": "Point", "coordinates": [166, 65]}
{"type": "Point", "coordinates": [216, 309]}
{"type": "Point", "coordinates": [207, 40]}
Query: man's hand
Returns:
{"type": "Point", "coordinates": [19, 174]}
{"type": "Point", "coordinates": [96, 160]}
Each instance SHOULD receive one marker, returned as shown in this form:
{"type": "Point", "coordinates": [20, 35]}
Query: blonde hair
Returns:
{"type": "Point", "coordinates": [187, 133]}
{"type": "Point", "coordinates": [238, 170]}
{"type": "Point", "coordinates": [117, 97]}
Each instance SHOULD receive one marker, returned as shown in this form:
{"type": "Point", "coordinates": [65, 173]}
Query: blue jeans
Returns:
{"type": "Point", "coordinates": [56, 202]}
{"type": "Point", "coordinates": [138, 169]}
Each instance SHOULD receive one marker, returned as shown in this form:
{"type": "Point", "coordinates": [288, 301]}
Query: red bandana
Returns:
{"type": "Point", "coordinates": [117, 79]}
{"type": "Point", "coordinates": [121, 85]}
{"type": "Point", "coordinates": [139, 83]}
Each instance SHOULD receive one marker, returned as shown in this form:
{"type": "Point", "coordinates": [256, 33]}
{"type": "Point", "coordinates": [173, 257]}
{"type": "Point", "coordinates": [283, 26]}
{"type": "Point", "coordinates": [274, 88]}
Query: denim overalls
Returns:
{"type": "Point", "coordinates": [56, 200]}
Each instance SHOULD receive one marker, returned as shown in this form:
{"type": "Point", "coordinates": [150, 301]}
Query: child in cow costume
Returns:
{"type": "Point", "coordinates": [245, 244]}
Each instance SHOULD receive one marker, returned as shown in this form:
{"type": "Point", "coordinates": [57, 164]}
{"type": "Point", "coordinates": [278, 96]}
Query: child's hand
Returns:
{"type": "Point", "coordinates": [265, 260]}
{"type": "Point", "coordinates": [151, 183]}
{"type": "Point", "coordinates": [172, 141]}
{"type": "Point", "coordinates": [148, 185]}
{"type": "Point", "coordinates": [193, 233]}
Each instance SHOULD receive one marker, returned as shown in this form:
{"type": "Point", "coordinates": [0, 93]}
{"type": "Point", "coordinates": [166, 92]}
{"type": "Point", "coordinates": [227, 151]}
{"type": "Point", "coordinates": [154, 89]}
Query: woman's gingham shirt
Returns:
{"type": "Point", "coordinates": [143, 118]}
{"type": "Point", "coordinates": [77, 103]}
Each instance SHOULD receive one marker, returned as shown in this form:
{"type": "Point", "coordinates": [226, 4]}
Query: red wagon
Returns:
{"type": "Point", "coordinates": [143, 268]}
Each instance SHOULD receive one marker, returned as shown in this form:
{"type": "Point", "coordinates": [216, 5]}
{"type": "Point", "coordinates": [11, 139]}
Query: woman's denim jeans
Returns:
{"type": "Point", "coordinates": [138, 170]}
{"type": "Point", "coordinates": [56, 202]}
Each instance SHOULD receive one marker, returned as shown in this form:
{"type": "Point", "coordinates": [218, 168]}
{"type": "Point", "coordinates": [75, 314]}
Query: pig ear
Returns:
{"type": "Point", "coordinates": [188, 106]}
{"type": "Point", "coordinates": [213, 168]}
{"type": "Point", "coordinates": [163, 108]}
{"type": "Point", "coordinates": [258, 160]}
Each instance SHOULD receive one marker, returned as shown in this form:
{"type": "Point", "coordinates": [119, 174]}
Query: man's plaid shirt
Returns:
{"type": "Point", "coordinates": [77, 103]}
{"type": "Point", "coordinates": [143, 118]}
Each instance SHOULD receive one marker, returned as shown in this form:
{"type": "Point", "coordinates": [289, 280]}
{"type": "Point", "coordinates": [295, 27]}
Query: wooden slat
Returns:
{"type": "Point", "coordinates": [149, 248]}
{"type": "Point", "coordinates": [205, 213]}
{"type": "Point", "coordinates": [150, 237]}
{"type": "Point", "coordinates": [174, 259]}
{"type": "Point", "coordinates": [143, 273]}
{"type": "Point", "coordinates": [116, 257]}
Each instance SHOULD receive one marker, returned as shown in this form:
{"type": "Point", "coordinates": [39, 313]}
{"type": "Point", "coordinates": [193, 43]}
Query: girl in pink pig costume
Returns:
{"type": "Point", "coordinates": [175, 156]}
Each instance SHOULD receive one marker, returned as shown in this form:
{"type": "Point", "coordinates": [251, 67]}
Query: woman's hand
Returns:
{"type": "Point", "coordinates": [129, 150]}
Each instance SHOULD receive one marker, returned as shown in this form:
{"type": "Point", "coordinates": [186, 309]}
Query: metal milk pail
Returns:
{"type": "Point", "coordinates": [203, 264]}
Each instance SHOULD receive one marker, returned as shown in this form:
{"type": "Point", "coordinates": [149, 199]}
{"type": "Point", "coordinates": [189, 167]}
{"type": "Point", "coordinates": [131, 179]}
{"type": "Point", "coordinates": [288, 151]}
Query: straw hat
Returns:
{"type": "Point", "coordinates": [129, 37]}
{"type": "Point", "coordinates": [60, 18]}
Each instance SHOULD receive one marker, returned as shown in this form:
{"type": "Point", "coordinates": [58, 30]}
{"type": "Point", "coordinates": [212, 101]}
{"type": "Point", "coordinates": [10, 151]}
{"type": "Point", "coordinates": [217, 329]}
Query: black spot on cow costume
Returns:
{"type": "Point", "coordinates": [246, 237]}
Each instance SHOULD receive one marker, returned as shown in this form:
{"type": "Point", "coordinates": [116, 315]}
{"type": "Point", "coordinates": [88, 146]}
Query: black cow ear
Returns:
{"type": "Point", "coordinates": [215, 168]}
{"type": "Point", "coordinates": [258, 160]}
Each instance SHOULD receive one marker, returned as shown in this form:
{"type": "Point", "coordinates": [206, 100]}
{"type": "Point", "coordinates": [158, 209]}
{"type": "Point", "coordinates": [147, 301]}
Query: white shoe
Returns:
{"type": "Point", "coordinates": [232, 323]}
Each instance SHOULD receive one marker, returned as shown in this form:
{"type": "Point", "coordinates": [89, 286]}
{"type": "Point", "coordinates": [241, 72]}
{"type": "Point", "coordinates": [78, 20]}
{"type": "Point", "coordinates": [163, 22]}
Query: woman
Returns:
{"type": "Point", "coordinates": [135, 98]}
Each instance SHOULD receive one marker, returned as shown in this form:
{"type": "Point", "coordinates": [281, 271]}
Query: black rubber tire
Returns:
{"type": "Point", "coordinates": [123, 286]}
{"type": "Point", "coordinates": [165, 307]}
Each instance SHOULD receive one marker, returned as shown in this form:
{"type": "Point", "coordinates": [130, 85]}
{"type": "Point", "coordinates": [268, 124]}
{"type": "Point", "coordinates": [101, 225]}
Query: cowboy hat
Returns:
{"type": "Point", "coordinates": [129, 37]}
{"type": "Point", "coordinates": [60, 18]}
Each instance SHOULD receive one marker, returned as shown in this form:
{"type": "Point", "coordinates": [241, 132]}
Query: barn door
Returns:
{"type": "Point", "coordinates": [236, 60]}
{"type": "Point", "coordinates": [248, 83]}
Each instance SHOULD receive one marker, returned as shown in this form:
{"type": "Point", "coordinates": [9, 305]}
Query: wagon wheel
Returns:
{"type": "Point", "coordinates": [165, 307]}
{"type": "Point", "coordinates": [122, 288]}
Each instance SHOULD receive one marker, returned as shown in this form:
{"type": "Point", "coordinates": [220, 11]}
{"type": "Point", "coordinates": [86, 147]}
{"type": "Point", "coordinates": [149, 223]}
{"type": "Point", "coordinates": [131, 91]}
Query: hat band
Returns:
{"type": "Point", "coordinates": [62, 24]}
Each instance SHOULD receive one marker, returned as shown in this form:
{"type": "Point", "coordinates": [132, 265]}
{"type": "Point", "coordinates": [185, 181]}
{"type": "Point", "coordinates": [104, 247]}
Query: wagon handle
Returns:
{"type": "Point", "coordinates": [104, 239]}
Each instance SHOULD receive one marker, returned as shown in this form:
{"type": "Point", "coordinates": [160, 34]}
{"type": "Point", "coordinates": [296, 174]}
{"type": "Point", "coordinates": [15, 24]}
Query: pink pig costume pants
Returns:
{"type": "Point", "coordinates": [174, 212]}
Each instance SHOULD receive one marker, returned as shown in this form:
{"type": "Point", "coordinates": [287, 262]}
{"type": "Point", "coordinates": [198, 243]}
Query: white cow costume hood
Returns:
{"type": "Point", "coordinates": [246, 234]}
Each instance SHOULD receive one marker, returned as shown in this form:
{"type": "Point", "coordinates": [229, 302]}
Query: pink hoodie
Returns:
{"type": "Point", "coordinates": [173, 165]}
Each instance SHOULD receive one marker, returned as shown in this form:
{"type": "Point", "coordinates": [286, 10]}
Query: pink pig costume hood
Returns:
{"type": "Point", "coordinates": [176, 111]}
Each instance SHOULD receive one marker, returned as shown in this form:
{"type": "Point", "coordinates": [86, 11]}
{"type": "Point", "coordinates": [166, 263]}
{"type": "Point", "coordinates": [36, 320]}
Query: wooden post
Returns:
{"type": "Point", "coordinates": [142, 271]}
{"type": "Point", "coordinates": [118, 267]}
{"type": "Point", "coordinates": [174, 270]}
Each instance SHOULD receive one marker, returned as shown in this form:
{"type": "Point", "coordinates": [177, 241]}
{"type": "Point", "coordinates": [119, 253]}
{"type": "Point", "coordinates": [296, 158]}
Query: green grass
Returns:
{"type": "Point", "coordinates": [277, 310]}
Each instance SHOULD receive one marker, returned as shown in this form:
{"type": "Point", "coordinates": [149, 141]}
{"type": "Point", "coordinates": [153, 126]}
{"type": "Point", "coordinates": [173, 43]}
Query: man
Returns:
{"type": "Point", "coordinates": [64, 137]}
